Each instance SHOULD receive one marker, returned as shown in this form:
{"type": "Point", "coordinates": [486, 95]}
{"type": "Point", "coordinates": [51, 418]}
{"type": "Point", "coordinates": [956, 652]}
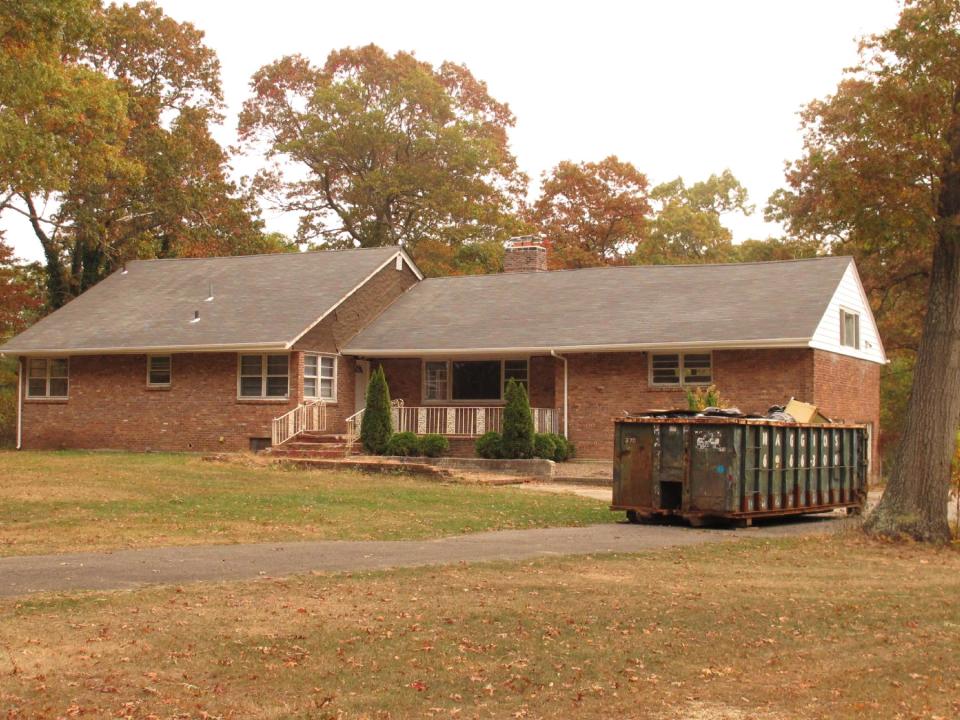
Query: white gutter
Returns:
{"type": "Point", "coordinates": [19, 403]}
{"type": "Point", "coordinates": [621, 347]}
{"type": "Point", "coordinates": [140, 350]}
{"type": "Point", "coordinates": [565, 395]}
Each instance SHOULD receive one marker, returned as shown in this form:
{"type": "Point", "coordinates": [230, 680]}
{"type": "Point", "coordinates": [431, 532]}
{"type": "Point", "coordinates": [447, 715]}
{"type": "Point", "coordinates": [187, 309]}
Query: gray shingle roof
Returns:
{"type": "Point", "coordinates": [766, 303]}
{"type": "Point", "coordinates": [259, 300]}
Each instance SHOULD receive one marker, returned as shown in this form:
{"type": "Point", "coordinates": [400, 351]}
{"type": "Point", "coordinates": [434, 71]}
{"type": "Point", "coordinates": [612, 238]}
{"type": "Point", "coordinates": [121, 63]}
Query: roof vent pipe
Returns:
{"type": "Point", "coordinates": [209, 297]}
{"type": "Point", "coordinates": [196, 316]}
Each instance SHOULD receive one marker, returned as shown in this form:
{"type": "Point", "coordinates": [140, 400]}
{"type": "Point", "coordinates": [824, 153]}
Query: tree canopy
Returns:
{"type": "Point", "coordinates": [591, 213]}
{"type": "Point", "coordinates": [114, 121]}
{"type": "Point", "coordinates": [879, 178]}
{"type": "Point", "coordinates": [373, 149]}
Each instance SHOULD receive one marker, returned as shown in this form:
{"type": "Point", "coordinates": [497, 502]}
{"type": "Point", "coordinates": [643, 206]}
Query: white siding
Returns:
{"type": "Point", "coordinates": [850, 296]}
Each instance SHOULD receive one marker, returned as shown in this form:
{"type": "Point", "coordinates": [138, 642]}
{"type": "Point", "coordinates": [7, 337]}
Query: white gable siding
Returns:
{"type": "Point", "coordinates": [849, 295]}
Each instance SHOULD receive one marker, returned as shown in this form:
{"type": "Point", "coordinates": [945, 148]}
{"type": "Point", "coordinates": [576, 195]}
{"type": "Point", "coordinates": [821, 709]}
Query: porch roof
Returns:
{"type": "Point", "coordinates": [258, 302]}
{"type": "Point", "coordinates": [767, 304]}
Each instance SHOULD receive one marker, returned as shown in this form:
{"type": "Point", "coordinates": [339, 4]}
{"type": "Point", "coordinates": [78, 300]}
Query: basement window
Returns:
{"type": "Point", "coordinates": [320, 377]}
{"type": "Point", "coordinates": [48, 378]}
{"type": "Point", "coordinates": [681, 369]}
{"type": "Point", "coordinates": [159, 369]}
{"type": "Point", "coordinates": [264, 376]}
{"type": "Point", "coordinates": [849, 329]}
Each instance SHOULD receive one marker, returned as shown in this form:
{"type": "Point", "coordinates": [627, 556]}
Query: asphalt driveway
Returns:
{"type": "Point", "coordinates": [127, 569]}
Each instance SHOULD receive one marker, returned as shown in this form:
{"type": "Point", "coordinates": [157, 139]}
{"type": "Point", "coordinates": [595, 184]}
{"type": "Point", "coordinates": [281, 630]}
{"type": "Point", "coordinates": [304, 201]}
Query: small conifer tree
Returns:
{"type": "Point", "coordinates": [517, 423]}
{"type": "Point", "coordinates": [377, 425]}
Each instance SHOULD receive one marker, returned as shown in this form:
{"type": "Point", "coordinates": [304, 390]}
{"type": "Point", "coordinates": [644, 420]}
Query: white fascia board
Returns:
{"type": "Point", "coordinates": [412, 265]}
{"type": "Point", "coordinates": [150, 349]}
{"type": "Point", "coordinates": [359, 285]}
{"type": "Point", "coordinates": [545, 349]}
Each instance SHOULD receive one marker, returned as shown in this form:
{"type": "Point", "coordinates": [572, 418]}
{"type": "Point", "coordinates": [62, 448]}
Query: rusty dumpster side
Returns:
{"type": "Point", "coordinates": [736, 468]}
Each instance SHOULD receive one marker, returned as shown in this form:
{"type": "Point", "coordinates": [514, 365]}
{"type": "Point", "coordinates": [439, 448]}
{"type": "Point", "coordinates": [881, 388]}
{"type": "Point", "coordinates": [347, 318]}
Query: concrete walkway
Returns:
{"type": "Point", "coordinates": [126, 569]}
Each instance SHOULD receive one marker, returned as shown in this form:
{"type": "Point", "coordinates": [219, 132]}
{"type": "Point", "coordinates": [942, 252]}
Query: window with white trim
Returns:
{"type": "Point", "coordinates": [320, 377]}
{"type": "Point", "coordinates": [472, 380]}
{"type": "Point", "coordinates": [849, 329]}
{"type": "Point", "coordinates": [435, 380]}
{"type": "Point", "coordinates": [48, 377]}
{"type": "Point", "coordinates": [159, 370]}
{"type": "Point", "coordinates": [681, 369]}
{"type": "Point", "coordinates": [264, 376]}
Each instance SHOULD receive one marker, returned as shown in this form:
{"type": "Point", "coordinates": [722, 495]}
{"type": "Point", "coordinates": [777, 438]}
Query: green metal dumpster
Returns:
{"type": "Point", "coordinates": [736, 468]}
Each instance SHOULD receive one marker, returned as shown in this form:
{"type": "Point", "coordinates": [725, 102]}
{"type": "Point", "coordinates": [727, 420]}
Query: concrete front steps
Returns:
{"type": "Point", "coordinates": [316, 446]}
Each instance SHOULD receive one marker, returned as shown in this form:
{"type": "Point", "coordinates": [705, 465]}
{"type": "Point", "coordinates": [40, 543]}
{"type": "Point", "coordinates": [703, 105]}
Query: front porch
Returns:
{"type": "Point", "coordinates": [454, 421]}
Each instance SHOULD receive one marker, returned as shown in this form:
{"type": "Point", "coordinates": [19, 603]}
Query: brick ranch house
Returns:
{"type": "Point", "coordinates": [236, 353]}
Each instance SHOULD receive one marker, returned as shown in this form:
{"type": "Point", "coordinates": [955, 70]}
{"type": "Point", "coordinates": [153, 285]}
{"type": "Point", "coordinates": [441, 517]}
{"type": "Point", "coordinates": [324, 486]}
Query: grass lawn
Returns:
{"type": "Point", "coordinates": [72, 501]}
{"type": "Point", "coordinates": [808, 628]}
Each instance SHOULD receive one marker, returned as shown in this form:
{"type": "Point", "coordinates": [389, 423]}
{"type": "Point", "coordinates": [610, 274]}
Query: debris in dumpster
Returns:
{"type": "Point", "coordinates": [805, 412]}
{"type": "Point", "coordinates": [721, 412]}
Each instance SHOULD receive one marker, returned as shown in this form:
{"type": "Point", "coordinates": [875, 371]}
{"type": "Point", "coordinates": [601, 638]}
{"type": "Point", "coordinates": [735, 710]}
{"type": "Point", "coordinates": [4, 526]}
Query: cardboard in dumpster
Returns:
{"type": "Point", "coordinates": [805, 412]}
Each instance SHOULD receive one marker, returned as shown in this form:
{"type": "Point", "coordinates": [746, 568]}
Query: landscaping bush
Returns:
{"type": "Point", "coordinates": [489, 445]}
{"type": "Point", "coordinates": [377, 425]}
{"type": "Point", "coordinates": [432, 445]}
{"type": "Point", "coordinates": [563, 448]}
{"type": "Point", "coordinates": [517, 423]}
{"type": "Point", "coordinates": [403, 443]}
{"type": "Point", "coordinates": [544, 446]}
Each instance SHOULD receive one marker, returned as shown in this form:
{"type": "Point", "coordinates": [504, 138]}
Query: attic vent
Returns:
{"type": "Point", "coordinates": [196, 316]}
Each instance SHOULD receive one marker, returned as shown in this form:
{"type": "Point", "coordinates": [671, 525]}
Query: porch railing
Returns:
{"type": "Point", "coordinates": [454, 420]}
{"type": "Point", "coordinates": [310, 416]}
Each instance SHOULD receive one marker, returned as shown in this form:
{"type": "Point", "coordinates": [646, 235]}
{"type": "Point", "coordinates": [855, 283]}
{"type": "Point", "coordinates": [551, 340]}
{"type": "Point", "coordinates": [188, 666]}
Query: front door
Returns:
{"type": "Point", "coordinates": [360, 389]}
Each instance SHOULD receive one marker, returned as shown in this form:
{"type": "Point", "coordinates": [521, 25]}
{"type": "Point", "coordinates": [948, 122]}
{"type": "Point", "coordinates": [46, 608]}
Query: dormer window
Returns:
{"type": "Point", "coordinates": [849, 329]}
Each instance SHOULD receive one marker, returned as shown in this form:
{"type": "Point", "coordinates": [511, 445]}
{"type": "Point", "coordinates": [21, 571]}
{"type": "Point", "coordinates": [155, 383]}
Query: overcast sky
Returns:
{"type": "Point", "coordinates": [676, 88]}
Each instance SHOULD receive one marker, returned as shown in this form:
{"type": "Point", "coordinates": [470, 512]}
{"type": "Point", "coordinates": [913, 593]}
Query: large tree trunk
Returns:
{"type": "Point", "coordinates": [915, 501]}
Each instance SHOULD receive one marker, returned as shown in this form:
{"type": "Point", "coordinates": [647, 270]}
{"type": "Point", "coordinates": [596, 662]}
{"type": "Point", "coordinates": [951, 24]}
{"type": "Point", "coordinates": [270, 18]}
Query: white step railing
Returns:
{"type": "Point", "coordinates": [353, 426]}
{"type": "Point", "coordinates": [310, 416]}
{"type": "Point", "coordinates": [454, 420]}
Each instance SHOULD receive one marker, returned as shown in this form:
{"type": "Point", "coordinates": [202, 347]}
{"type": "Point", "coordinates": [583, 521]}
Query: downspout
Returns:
{"type": "Point", "coordinates": [565, 421]}
{"type": "Point", "coordinates": [19, 403]}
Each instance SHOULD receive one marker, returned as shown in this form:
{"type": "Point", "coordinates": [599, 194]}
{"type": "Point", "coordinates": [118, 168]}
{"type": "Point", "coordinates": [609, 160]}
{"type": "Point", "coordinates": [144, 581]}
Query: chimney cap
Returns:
{"type": "Point", "coordinates": [521, 241]}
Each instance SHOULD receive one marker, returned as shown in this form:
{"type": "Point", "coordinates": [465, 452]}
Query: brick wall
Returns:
{"type": "Point", "coordinates": [351, 316]}
{"type": "Point", "coordinates": [603, 386]}
{"type": "Point", "coordinates": [110, 405]}
{"type": "Point", "coordinates": [848, 389]}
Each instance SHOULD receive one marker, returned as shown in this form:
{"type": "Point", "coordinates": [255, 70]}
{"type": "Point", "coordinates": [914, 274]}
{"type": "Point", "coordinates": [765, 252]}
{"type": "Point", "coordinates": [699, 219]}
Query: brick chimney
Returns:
{"type": "Point", "coordinates": [524, 254]}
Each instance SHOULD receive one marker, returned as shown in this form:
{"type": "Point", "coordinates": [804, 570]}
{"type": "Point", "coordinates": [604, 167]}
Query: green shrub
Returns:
{"type": "Point", "coordinates": [377, 425]}
{"type": "Point", "coordinates": [517, 423]}
{"type": "Point", "coordinates": [564, 448]}
{"type": "Point", "coordinates": [699, 399]}
{"type": "Point", "coordinates": [544, 446]}
{"type": "Point", "coordinates": [403, 443]}
{"type": "Point", "coordinates": [433, 445]}
{"type": "Point", "coordinates": [489, 445]}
